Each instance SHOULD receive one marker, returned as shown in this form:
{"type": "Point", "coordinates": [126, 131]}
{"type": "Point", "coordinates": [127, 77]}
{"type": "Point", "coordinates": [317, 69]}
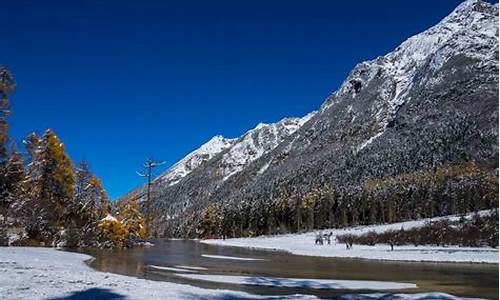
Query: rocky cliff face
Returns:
{"type": "Point", "coordinates": [430, 103]}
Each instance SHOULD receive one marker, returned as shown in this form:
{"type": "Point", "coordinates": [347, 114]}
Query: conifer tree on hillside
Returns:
{"type": "Point", "coordinates": [57, 179]}
{"type": "Point", "coordinates": [101, 198]}
{"type": "Point", "coordinates": [90, 202]}
{"type": "Point", "coordinates": [29, 208]}
{"type": "Point", "coordinates": [211, 220]}
{"type": "Point", "coordinates": [14, 181]}
{"type": "Point", "coordinates": [7, 87]}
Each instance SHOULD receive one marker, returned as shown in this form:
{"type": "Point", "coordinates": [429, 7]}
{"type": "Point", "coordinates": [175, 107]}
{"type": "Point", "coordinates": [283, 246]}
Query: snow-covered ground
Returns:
{"type": "Point", "coordinates": [46, 273]}
{"type": "Point", "coordinates": [303, 244]}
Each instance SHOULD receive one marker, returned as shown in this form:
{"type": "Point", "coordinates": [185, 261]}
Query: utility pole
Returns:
{"type": "Point", "coordinates": [149, 165]}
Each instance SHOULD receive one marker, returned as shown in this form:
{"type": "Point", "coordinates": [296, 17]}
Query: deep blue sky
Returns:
{"type": "Point", "coordinates": [122, 80]}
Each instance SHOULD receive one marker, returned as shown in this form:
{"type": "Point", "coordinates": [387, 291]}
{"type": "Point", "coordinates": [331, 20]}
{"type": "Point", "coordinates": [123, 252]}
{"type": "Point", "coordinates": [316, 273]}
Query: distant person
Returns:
{"type": "Point", "coordinates": [329, 238]}
{"type": "Point", "coordinates": [319, 239]}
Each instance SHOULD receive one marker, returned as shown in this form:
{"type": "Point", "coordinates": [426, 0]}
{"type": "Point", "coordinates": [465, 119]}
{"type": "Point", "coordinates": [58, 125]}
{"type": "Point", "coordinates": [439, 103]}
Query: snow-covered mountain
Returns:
{"type": "Point", "coordinates": [194, 159]}
{"type": "Point", "coordinates": [469, 30]}
{"type": "Point", "coordinates": [238, 152]}
{"type": "Point", "coordinates": [432, 102]}
{"type": "Point", "coordinates": [256, 142]}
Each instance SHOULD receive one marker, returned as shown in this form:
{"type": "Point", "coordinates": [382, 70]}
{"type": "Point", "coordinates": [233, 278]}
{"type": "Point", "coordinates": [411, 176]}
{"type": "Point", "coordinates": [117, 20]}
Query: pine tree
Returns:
{"type": "Point", "coordinates": [281, 210]}
{"type": "Point", "coordinates": [330, 203]}
{"type": "Point", "coordinates": [372, 214]}
{"type": "Point", "coordinates": [309, 205]}
{"type": "Point", "coordinates": [297, 209]}
{"type": "Point", "coordinates": [91, 201]}
{"type": "Point", "coordinates": [82, 207]}
{"type": "Point", "coordinates": [7, 87]}
{"type": "Point", "coordinates": [57, 179]}
{"type": "Point", "coordinates": [14, 180]}
{"type": "Point", "coordinates": [390, 214]}
{"type": "Point", "coordinates": [34, 215]}
{"type": "Point", "coordinates": [211, 220]}
{"type": "Point", "coordinates": [342, 220]}
{"type": "Point", "coordinates": [90, 204]}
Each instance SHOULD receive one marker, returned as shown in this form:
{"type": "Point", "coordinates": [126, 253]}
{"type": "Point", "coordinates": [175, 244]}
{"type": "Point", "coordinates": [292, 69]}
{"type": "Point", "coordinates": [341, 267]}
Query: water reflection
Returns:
{"type": "Point", "coordinates": [473, 280]}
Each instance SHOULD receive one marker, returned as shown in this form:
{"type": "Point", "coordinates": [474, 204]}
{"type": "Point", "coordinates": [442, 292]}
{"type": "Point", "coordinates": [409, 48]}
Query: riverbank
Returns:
{"type": "Point", "coordinates": [47, 273]}
{"type": "Point", "coordinates": [304, 244]}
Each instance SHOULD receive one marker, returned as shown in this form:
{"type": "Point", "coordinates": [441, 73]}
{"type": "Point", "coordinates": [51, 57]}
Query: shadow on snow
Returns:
{"type": "Point", "coordinates": [91, 294]}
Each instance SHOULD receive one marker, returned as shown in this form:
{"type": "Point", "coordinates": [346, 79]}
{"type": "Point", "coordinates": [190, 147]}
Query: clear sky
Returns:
{"type": "Point", "coordinates": [122, 80]}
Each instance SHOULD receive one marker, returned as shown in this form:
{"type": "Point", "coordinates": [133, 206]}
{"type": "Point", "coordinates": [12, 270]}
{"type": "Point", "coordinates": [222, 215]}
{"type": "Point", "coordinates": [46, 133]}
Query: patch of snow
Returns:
{"type": "Point", "coordinates": [302, 282]}
{"type": "Point", "coordinates": [303, 244]}
{"type": "Point", "coordinates": [369, 141]}
{"type": "Point", "coordinates": [264, 168]}
{"type": "Point", "coordinates": [109, 218]}
{"type": "Point", "coordinates": [171, 269]}
{"type": "Point", "coordinates": [192, 268]}
{"type": "Point", "coordinates": [230, 257]}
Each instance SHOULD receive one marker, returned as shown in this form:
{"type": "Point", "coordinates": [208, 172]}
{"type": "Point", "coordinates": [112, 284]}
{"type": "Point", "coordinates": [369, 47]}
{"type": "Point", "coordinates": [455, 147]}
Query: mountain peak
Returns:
{"type": "Point", "coordinates": [468, 24]}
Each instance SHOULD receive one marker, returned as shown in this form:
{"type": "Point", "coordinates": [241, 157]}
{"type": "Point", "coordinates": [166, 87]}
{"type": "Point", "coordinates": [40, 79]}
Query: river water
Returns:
{"type": "Point", "coordinates": [471, 280]}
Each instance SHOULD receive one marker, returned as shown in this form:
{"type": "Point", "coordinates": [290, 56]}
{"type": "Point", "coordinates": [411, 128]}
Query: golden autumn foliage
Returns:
{"type": "Point", "coordinates": [211, 220]}
{"type": "Point", "coordinates": [57, 178]}
{"type": "Point", "coordinates": [130, 215]}
{"type": "Point", "coordinates": [113, 231]}
{"type": "Point", "coordinates": [435, 176]}
{"type": "Point", "coordinates": [103, 205]}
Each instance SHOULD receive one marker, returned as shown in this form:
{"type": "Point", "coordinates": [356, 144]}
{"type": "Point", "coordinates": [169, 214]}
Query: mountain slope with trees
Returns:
{"type": "Point", "coordinates": [408, 135]}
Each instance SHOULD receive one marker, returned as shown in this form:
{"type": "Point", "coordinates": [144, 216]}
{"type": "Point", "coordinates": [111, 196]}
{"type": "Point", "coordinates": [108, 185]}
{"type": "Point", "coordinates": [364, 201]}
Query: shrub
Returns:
{"type": "Point", "coordinates": [112, 232]}
{"type": "Point", "coordinates": [476, 232]}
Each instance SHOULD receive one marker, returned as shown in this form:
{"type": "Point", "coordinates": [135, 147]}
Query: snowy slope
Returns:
{"type": "Point", "coordinates": [258, 141]}
{"type": "Point", "coordinates": [241, 151]}
{"type": "Point", "coordinates": [194, 159]}
{"type": "Point", "coordinates": [464, 31]}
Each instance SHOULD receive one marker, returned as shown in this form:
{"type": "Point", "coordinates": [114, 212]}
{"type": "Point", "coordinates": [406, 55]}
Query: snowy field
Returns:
{"type": "Point", "coordinates": [303, 244]}
{"type": "Point", "coordinates": [46, 273]}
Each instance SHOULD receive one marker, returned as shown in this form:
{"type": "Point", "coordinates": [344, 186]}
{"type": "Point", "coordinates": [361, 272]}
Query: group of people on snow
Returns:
{"type": "Point", "coordinates": [321, 238]}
